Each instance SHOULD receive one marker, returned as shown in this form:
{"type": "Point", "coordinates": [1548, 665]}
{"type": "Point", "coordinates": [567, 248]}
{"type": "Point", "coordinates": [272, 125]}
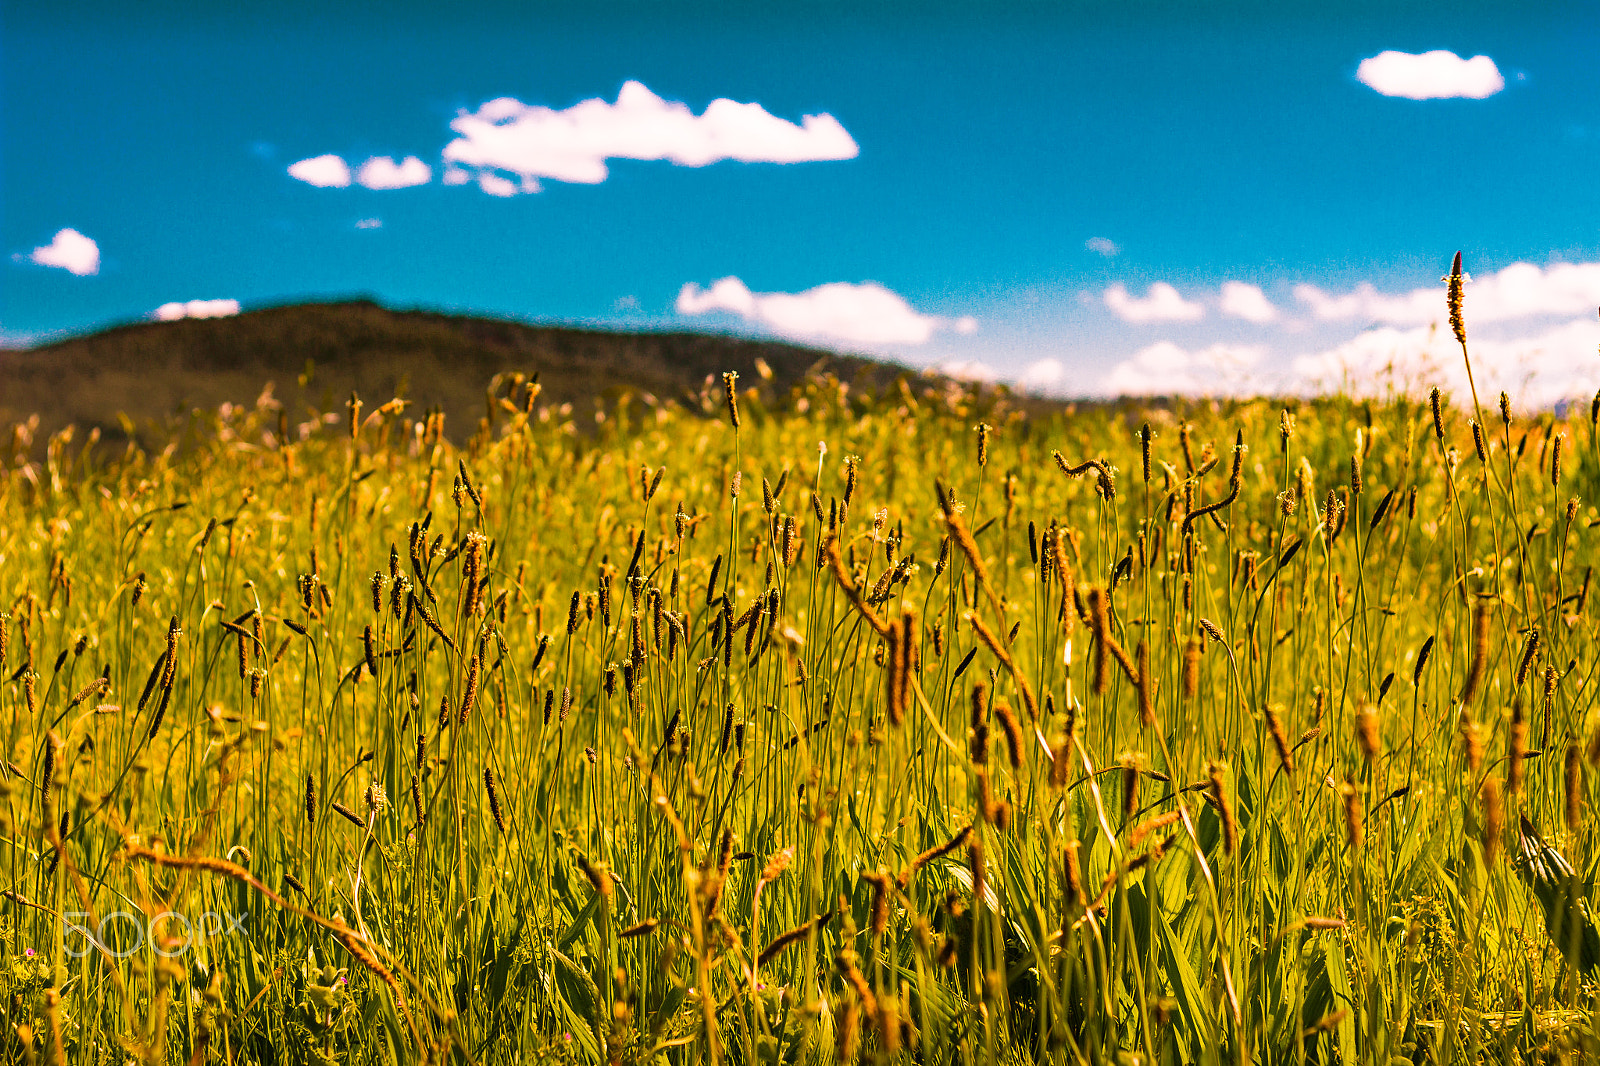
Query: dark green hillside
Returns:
{"type": "Point", "coordinates": [315, 355]}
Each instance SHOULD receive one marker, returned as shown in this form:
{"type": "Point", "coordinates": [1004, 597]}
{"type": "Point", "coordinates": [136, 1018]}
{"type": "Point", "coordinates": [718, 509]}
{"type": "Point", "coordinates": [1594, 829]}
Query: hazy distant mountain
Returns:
{"type": "Point", "coordinates": [316, 354]}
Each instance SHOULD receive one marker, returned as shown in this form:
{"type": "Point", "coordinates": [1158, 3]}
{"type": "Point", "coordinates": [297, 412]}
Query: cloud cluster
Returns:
{"type": "Point", "coordinates": [171, 312]}
{"type": "Point", "coordinates": [1166, 369]}
{"type": "Point", "coordinates": [1521, 290]}
{"type": "Point", "coordinates": [323, 171]}
{"type": "Point", "coordinates": [1102, 245]}
{"type": "Point", "coordinates": [378, 172]}
{"type": "Point", "coordinates": [1430, 76]}
{"type": "Point", "coordinates": [1537, 368]}
{"type": "Point", "coordinates": [508, 147]}
{"type": "Point", "coordinates": [1161, 303]}
{"type": "Point", "coordinates": [572, 145]}
{"type": "Point", "coordinates": [382, 172]}
{"type": "Point", "coordinates": [865, 314]}
{"type": "Point", "coordinates": [70, 251]}
{"type": "Point", "coordinates": [1242, 300]}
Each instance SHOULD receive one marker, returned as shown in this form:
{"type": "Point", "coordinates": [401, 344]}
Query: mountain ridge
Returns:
{"type": "Point", "coordinates": [314, 355]}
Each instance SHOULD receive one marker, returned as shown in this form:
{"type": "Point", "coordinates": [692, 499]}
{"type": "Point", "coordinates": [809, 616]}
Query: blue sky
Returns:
{"type": "Point", "coordinates": [1087, 198]}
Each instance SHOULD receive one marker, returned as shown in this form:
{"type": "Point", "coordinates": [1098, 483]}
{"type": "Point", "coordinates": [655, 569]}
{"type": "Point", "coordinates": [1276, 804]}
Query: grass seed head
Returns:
{"type": "Point", "coordinates": [1280, 740]}
{"type": "Point", "coordinates": [1130, 763]}
{"type": "Point", "coordinates": [494, 801]}
{"type": "Point", "coordinates": [1493, 813]}
{"type": "Point", "coordinates": [1013, 732]}
{"type": "Point", "coordinates": [1530, 651]}
{"type": "Point", "coordinates": [1354, 816]}
{"type": "Point", "coordinates": [1191, 668]}
{"type": "Point", "coordinates": [1479, 662]}
{"type": "Point", "coordinates": [1219, 795]}
{"type": "Point", "coordinates": [978, 732]}
{"type": "Point", "coordinates": [1516, 749]}
{"type": "Point", "coordinates": [1145, 685]}
{"type": "Point", "coordinates": [1367, 733]}
{"type": "Point", "coordinates": [730, 388]}
{"type": "Point", "coordinates": [1453, 299]}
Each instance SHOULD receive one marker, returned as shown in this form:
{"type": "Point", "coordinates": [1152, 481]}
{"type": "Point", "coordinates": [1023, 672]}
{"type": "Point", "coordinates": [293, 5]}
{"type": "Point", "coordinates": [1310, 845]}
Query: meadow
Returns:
{"type": "Point", "coordinates": [822, 724]}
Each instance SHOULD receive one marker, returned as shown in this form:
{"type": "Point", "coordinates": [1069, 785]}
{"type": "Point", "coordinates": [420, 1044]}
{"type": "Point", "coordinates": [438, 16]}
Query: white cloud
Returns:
{"type": "Point", "coordinates": [1241, 300]}
{"type": "Point", "coordinates": [1165, 369]}
{"type": "Point", "coordinates": [1161, 304]}
{"type": "Point", "coordinates": [1521, 290]}
{"type": "Point", "coordinates": [69, 250]}
{"type": "Point", "coordinates": [495, 185]}
{"type": "Point", "coordinates": [573, 145]}
{"type": "Point", "coordinates": [854, 314]}
{"type": "Point", "coordinates": [1043, 375]}
{"type": "Point", "coordinates": [196, 309]}
{"type": "Point", "coordinates": [1431, 75]}
{"type": "Point", "coordinates": [1104, 245]}
{"type": "Point", "coordinates": [369, 223]}
{"type": "Point", "coordinates": [382, 172]}
{"type": "Point", "coordinates": [1536, 369]}
{"type": "Point", "coordinates": [966, 370]}
{"type": "Point", "coordinates": [323, 171]}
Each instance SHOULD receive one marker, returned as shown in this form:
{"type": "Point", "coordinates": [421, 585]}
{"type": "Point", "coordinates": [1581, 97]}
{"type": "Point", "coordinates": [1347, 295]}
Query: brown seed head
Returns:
{"type": "Point", "coordinates": [1130, 783]}
{"type": "Point", "coordinates": [1453, 299]}
{"type": "Point", "coordinates": [730, 382]}
{"type": "Point", "coordinates": [1013, 732]}
{"type": "Point", "coordinates": [1219, 796]}
{"type": "Point", "coordinates": [1354, 817]}
{"type": "Point", "coordinates": [1516, 750]}
{"type": "Point", "coordinates": [1280, 740]}
{"type": "Point", "coordinates": [1367, 733]}
{"type": "Point", "coordinates": [1480, 652]}
{"type": "Point", "coordinates": [1493, 819]}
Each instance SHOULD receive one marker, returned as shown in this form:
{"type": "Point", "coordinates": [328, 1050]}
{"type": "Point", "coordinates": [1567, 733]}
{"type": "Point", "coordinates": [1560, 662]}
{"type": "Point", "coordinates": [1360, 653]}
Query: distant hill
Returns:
{"type": "Point", "coordinates": [315, 355]}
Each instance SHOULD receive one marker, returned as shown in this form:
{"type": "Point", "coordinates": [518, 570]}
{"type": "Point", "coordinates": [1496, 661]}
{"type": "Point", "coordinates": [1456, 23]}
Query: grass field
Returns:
{"type": "Point", "coordinates": [816, 727]}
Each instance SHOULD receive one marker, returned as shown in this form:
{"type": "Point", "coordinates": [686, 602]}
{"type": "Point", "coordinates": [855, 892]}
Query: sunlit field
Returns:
{"type": "Point", "coordinates": [827, 726]}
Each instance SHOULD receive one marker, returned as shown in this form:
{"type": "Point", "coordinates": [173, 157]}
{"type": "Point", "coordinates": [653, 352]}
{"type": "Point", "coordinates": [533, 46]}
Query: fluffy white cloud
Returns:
{"type": "Point", "coordinates": [1165, 369]}
{"type": "Point", "coordinates": [572, 145]}
{"type": "Point", "coordinates": [382, 172]}
{"type": "Point", "coordinates": [1521, 290]}
{"type": "Point", "coordinates": [1160, 304]}
{"type": "Point", "coordinates": [1104, 245]}
{"type": "Point", "coordinates": [69, 250]}
{"type": "Point", "coordinates": [369, 223]}
{"type": "Point", "coordinates": [854, 314]}
{"type": "Point", "coordinates": [1241, 300]}
{"type": "Point", "coordinates": [1431, 75]}
{"type": "Point", "coordinates": [495, 185]}
{"type": "Point", "coordinates": [1536, 369]}
{"type": "Point", "coordinates": [323, 171]}
{"type": "Point", "coordinates": [196, 309]}
{"type": "Point", "coordinates": [966, 370]}
{"type": "Point", "coordinates": [1043, 375]}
